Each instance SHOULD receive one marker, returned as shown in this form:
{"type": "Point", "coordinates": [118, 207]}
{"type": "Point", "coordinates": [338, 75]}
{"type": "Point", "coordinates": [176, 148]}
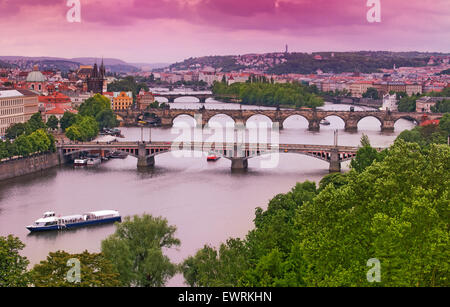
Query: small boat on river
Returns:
{"type": "Point", "coordinates": [50, 221]}
{"type": "Point", "coordinates": [212, 158]}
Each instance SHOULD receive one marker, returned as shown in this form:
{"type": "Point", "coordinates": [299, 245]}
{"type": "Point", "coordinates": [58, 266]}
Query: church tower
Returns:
{"type": "Point", "coordinates": [96, 80]}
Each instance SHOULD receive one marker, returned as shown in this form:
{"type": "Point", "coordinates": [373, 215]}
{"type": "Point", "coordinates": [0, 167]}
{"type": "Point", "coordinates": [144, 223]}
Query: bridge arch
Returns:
{"type": "Point", "coordinates": [361, 121]}
{"type": "Point", "coordinates": [184, 117]}
{"type": "Point", "coordinates": [220, 116]}
{"type": "Point", "coordinates": [261, 115]}
{"type": "Point", "coordinates": [291, 120]}
{"type": "Point", "coordinates": [408, 118]}
{"type": "Point", "coordinates": [133, 152]}
{"type": "Point", "coordinates": [177, 99]}
{"type": "Point", "coordinates": [161, 99]}
{"type": "Point", "coordinates": [340, 123]}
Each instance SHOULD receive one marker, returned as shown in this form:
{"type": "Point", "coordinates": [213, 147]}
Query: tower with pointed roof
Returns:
{"type": "Point", "coordinates": [96, 80]}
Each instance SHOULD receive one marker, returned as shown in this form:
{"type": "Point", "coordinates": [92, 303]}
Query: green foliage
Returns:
{"type": "Point", "coordinates": [94, 114]}
{"type": "Point", "coordinates": [425, 135]}
{"type": "Point", "coordinates": [53, 122]}
{"type": "Point", "coordinates": [36, 122]}
{"type": "Point", "coordinates": [68, 120]}
{"type": "Point", "coordinates": [136, 250]}
{"type": "Point", "coordinates": [441, 107]}
{"type": "Point", "coordinates": [84, 129]}
{"type": "Point", "coordinates": [94, 105]}
{"type": "Point", "coordinates": [365, 155]}
{"type": "Point", "coordinates": [371, 93]}
{"type": "Point", "coordinates": [16, 130]}
{"type": "Point", "coordinates": [107, 119]}
{"type": "Point", "coordinates": [407, 104]}
{"type": "Point", "coordinates": [13, 267]}
{"type": "Point", "coordinates": [261, 92]}
{"type": "Point", "coordinates": [396, 210]}
{"type": "Point", "coordinates": [336, 179]}
{"type": "Point", "coordinates": [95, 271]}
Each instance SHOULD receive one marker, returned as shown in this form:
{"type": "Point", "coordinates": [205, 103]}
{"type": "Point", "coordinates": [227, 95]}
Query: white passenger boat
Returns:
{"type": "Point", "coordinates": [50, 221]}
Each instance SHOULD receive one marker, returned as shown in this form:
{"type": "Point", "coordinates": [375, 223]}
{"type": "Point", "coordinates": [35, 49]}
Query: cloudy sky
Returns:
{"type": "Point", "coordinates": [172, 30]}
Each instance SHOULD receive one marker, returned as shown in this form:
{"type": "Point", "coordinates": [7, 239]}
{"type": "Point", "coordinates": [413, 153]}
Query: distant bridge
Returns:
{"type": "Point", "coordinates": [202, 96]}
{"type": "Point", "coordinates": [314, 117]}
{"type": "Point", "coordinates": [237, 153]}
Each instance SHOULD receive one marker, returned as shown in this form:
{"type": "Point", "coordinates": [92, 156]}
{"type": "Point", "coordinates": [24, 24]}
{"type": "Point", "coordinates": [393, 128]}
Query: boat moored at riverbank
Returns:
{"type": "Point", "coordinates": [50, 221]}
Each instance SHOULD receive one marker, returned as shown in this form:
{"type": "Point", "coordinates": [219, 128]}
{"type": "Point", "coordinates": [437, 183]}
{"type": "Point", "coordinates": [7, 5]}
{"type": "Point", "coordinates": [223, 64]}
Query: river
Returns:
{"type": "Point", "coordinates": [206, 201]}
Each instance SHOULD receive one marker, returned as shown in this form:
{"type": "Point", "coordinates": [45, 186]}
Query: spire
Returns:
{"type": "Point", "coordinates": [95, 71]}
{"type": "Point", "coordinates": [102, 70]}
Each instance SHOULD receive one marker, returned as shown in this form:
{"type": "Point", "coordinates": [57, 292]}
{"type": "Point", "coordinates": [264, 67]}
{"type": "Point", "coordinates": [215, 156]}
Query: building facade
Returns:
{"type": "Point", "coordinates": [16, 106]}
{"type": "Point", "coordinates": [144, 100]}
{"type": "Point", "coordinates": [122, 101]}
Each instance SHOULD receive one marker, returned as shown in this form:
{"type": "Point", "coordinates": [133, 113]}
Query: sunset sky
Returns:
{"type": "Point", "coordinates": [172, 30]}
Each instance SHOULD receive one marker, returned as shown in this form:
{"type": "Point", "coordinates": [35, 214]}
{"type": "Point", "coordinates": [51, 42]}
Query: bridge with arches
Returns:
{"type": "Point", "coordinates": [237, 153]}
{"type": "Point", "coordinates": [201, 96]}
{"type": "Point", "coordinates": [314, 117]}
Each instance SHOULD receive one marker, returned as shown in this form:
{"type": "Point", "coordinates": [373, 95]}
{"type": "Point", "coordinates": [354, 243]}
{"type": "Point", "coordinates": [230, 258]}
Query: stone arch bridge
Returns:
{"type": "Point", "coordinates": [237, 153]}
{"type": "Point", "coordinates": [172, 96]}
{"type": "Point", "coordinates": [314, 117]}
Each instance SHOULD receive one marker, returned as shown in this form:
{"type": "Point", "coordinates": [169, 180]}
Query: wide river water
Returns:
{"type": "Point", "coordinates": [206, 201]}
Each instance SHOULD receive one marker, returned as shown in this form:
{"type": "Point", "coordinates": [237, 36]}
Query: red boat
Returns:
{"type": "Point", "coordinates": [212, 158]}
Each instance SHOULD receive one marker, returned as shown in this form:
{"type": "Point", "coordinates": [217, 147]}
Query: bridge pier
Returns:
{"type": "Point", "coordinates": [387, 126]}
{"type": "Point", "coordinates": [277, 124]}
{"type": "Point", "coordinates": [351, 125]}
{"type": "Point", "coordinates": [144, 160]}
{"type": "Point", "coordinates": [314, 125]}
{"type": "Point", "coordinates": [335, 162]}
{"type": "Point", "coordinates": [239, 164]}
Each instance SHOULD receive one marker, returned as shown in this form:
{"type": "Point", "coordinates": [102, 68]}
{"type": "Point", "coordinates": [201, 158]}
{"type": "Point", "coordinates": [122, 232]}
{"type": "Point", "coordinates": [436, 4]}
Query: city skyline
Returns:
{"type": "Point", "coordinates": [170, 31]}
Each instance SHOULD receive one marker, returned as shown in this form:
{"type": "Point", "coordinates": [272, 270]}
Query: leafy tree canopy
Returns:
{"type": "Point", "coordinates": [136, 250]}
{"type": "Point", "coordinates": [95, 271]}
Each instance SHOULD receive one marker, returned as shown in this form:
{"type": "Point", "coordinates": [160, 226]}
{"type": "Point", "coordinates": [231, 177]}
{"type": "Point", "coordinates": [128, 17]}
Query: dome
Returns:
{"type": "Point", "coordinates": [35, 76]}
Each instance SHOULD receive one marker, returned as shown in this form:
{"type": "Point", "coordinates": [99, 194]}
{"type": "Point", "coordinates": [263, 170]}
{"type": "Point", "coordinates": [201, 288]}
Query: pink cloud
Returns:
{"type": "Point", "coordinates": [175, 29]}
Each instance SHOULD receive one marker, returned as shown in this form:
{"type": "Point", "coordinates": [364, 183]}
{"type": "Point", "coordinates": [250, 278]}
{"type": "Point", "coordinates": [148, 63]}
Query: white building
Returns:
{"type": "Point", "coordinates": [389, 103]}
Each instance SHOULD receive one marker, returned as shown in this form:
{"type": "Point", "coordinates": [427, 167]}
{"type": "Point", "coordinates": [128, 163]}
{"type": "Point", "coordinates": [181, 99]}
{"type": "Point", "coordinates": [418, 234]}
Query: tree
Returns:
{"type": "Point", "coordinates": [136, 250]}
{"type": "Point", "coordinates": [365, 155]}
{"type": "Point", "coordinates": [13, 266]}
{"type": "Point", "coordinates": [95, 271]}
{"type": "Point", "coordinates": [40, 141]}
{"type": "Point", "coordinates": [36, 122]}
{"type": "Point", "coordinates": [24, 145]}
{"type": "Point", "coordinates": [53, 122]}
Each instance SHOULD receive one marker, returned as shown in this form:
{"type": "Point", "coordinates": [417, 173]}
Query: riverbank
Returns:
{"type": "Point", "coordinates": [29, 165]}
